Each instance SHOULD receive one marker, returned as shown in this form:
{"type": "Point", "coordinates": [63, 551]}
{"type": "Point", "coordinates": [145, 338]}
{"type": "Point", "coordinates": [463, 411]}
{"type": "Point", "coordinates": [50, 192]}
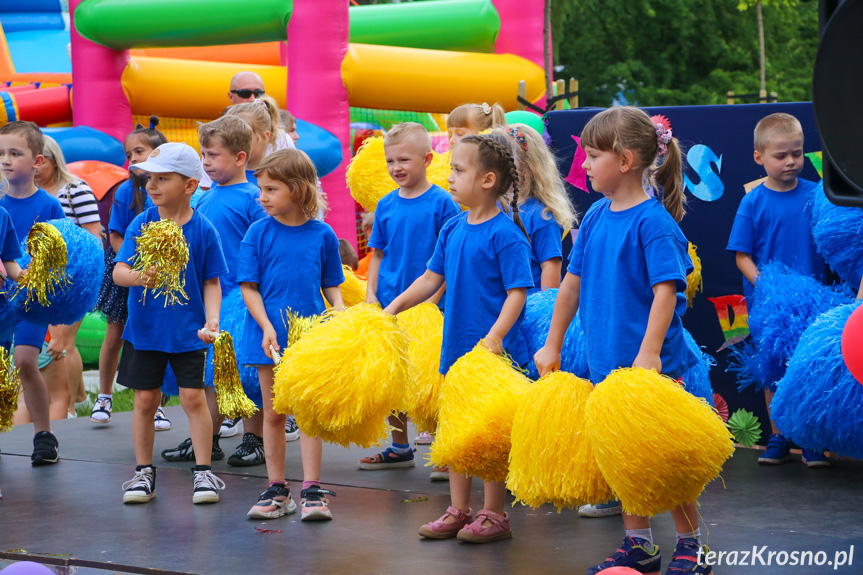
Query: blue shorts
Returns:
{"type": "Point", "coordinates": [28, 334]}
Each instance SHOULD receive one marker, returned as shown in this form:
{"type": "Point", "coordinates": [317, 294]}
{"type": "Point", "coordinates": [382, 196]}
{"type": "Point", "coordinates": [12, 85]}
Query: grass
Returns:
{"type": "Point", "coordinates": [121, 401]}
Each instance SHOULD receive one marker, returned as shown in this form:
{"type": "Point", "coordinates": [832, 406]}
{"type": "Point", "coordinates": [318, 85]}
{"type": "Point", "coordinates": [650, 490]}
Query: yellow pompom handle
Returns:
{"type": "Point", "coordinates": [47, 267]}
{"type": "Point", "coordinates": [163, 246]}
{"type": "Point", "coordinates": [478, 400]}
{"type": "Point", "coordinates": [230, 397]}
{"type": "Point", "coordinates": [694, 281]}
{"type": "Point", "coordinates": [656, 445]}
{"type": "Point", "coordinates": [424, 326]}
{"type": "Point", "coordinates": [552, 459]}
{"type": "Point", "coordinates": [10, 386]}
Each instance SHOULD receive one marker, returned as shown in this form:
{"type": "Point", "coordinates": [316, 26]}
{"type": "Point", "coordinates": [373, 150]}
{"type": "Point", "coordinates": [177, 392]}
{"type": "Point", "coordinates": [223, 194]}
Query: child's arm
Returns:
{"type": "Point", "coordinates": [255, 303]}
{"type": "Point", "coordinates": [565, 307]}
{"type": "Point", "coordinates": [512, 306]}
{"type": "Point", "coordinates": [334, 296]}
{"type": "Point", "coordinates": [422, 289]}
{"type": "Point", "coordinates": [125, 277]}
{"type": "Point", "coordinates": [859, 290]}
{"type": "Point", "coordinates": [116, 241]}
{"type": "Point", "coordinates": [372, 278]}
{"type": "Point", "coordinates": [435, 299]}
{"type": "Point", "coordinates": [550, 274]}
{"type": "Point", "coordinates": [13, 270]}
{"type": "Point", "coordinates": [747, 267]}
{"type": "Point", "coordinates": [661, 312]}
{"type": "Point", "coordinates": [212, 307]}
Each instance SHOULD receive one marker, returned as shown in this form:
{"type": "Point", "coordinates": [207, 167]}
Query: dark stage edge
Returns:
{"type": "Point", "coordinates": [71, 514]}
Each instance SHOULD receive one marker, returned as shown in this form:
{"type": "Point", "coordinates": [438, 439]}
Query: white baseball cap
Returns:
{"type": "Point", "coordinates": [172, 157]}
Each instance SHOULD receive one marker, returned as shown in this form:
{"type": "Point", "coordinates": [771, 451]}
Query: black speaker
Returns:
{"type": "Point", "coordinates": [837, 99]}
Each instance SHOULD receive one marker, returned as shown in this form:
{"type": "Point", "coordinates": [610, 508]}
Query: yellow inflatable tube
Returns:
{"type": "Point", "coordinates": [379, 77]}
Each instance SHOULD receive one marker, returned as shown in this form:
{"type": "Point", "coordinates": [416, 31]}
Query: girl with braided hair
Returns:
{"type": "Point", "coordinates": [627, 278]}
{"type": "Point", "coordinates": [484, 257]}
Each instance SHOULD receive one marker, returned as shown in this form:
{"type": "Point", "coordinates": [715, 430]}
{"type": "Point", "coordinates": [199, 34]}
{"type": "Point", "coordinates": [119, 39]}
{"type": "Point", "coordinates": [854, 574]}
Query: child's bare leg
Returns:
{"type": "Point", "coordinates": [274, 428]}
{"type": "Point", "coordinates": [255, 424]}
{"type": "Point", "coordinates": [74, 365]}
{"type": "Point", "coordinates": [213, 407]}
{"type": "Point", "coordinates": [459, 492]}
{"type": "Point", "coordinates": [768, 397]}
{"type": "Point", "coordinates": [686, 517]}
{"type": "Point", "coordinates": [631, 522]}
{"type": "Point", "coordinates": [57, 383]}
{"type": "Point", "coordinates": [34, 388]}
{"type": "Point", "coordinates": [311, 449]}
{"type": "Point", "coordinates": [143, 432]}
{"type": "Point", "coordinates": [109, 357]}
{"type": "Point", "coordinates": [400, 431]}
{"type": "Point", "coordinates": [494, 493]}
{"type": "Point", "coordinates": [200, 423]}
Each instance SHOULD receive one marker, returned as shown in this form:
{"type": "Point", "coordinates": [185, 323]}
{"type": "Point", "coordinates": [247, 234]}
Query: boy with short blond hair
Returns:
{"type": "Point", "coordinates": [406, 226]}
{"type": "Point", "coordinates": [159, 334]}
{"type": "Point", "coordinates": [773, 224]}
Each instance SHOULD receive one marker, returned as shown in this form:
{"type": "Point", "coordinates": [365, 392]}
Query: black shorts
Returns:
{"type": "Point", "coordinates": [145, 369]}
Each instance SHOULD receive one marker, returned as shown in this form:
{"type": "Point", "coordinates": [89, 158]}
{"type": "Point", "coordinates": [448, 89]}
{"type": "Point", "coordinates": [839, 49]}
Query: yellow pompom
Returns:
{"type": "Point", "coordinates": [345, 376]}
{"type": "Point", "coordinates": [694, 281]}
{"type": "Point", "coordinates": [552, 457]}
{"type": "Point", "coordinates": [478, 400]}
{"type": "Point", "coordinates": [656, 445]}
{"type": "Point", "coordinates": [439, 170]}
{"type": "Point", "coordinates": [367, 175]}
{"type": "Point", "coordinates": [230, 397]}
{"type": "Point", "coordinates": [10, 386]}
{"type": "Point", "coordinates": [162, 245]}
{"type": "Point", "coordinates": [353, 289]}
{"type": "Point", "coordinates": [424, 326]}
{"type": "Point", "coordinates": [47, 268]}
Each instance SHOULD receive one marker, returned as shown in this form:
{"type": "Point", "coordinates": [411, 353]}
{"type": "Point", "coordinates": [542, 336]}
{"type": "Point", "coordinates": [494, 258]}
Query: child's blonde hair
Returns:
{"type": "Point", "coordinates": [235, 133]}
{"type": "Point", "coordinates": [625, 128]}
{"type": "Point", "coordinates": [775, 126]}
{"type": "Point", "coordinates": [295, 169]}
{"type": "Point", "coordinates": [262, 116]}
{"type": "Point", "coordinates": [409, 131]}
{"type": "Point", "coordinates": [30, 131]}
{"type": "Point", "coordinates": [287, 120]}
{"type": "Point", "coordinates": [539, 175]}
{"type": "Point", "coordinates": [479, 117]}
{"type": "Point", "coordinates": [51, 150]}
{"type": "Point", "coordinates": [368, 220]}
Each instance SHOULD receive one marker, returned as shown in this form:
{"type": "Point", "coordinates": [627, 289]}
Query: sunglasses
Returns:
{"type": "Point", "coordinates": [248, 93]}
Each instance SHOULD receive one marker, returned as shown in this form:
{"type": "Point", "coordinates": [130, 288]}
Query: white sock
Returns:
{"type": "Point", "coordinates": [644, 534]}
{"type": "Point", "coordinates": [696, 535]}
{"type": "Point", "coordinates": [104, 396]}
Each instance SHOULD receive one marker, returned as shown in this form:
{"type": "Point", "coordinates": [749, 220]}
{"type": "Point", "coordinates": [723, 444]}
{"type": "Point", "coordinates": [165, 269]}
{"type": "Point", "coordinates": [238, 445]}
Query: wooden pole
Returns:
{"type": "Point", "coordinates": [730, 97]}
{"type": "Point", "coordinates": [522, 93]}
{"type": "Point", "coordinates": [561, 89]}
{"type": "Point", "coordinates": [573, 89]}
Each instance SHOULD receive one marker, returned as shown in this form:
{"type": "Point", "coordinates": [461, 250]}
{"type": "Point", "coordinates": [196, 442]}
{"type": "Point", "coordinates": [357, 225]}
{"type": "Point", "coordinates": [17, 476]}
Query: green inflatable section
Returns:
{"type": "Point", "coordinates": [125, 24]}
{"type": "Point", "coordinates": [90, 336]}
{"type": "Point", "coordinates": [389, 118]}
{"type": "Point", "coordinates": [460, 25]}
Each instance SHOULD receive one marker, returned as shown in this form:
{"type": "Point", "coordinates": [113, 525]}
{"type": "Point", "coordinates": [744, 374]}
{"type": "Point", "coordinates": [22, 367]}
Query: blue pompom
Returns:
{"type": "Point", "coordinates": [751, 370]}
{"type": "Point", "coordinates": [838, 235]}
{"type": "Point", "coordinates": [697, 380]}
{"type": "Point", "coordinates": [169, 384]}
{"type": "Point", "coordinates": [818, 402]}
{"type": "Point", "coordinates": [534, 328]}
{"type": "Point", "coordinates": [573, 354]}
{"type": "Point", "coordinates": [85, 268]}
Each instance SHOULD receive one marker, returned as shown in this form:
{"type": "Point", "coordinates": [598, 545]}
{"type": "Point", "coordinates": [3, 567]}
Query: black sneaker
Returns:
{"type": "Point", "coordinates": [185, 452]}
{"type": "Point", "coordinates": [46, 449]}
{"type": "Point", "coordinates": [292, 432]}
{"type": "Point", "coordinates": [207, 487]}
{"type": "Point", "coordinates": [249, 453]}
{"type": "Point", "coordinates": [231, 427]}
{"type": "Point", "coordinates": [142, 487]}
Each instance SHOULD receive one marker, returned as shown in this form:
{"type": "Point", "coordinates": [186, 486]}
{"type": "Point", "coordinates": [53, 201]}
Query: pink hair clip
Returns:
{"type": "Point", "coordinates": [663, 132]}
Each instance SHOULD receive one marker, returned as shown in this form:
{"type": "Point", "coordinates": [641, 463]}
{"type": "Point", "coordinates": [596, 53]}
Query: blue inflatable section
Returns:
{"type": "Point", "coordinates": [83, 143]}
{"type": "Point", "coordinates": [36, 51]}
{"type": "Point", "coordinates": [323, 148]}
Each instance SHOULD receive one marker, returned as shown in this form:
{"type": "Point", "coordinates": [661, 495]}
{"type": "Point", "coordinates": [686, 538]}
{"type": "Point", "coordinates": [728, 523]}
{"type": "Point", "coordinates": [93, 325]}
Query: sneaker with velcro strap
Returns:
{"type": "Point", "coordinates": [273, 503]}
{"type": "Point", "coordinates": [46, 449]}
{"type": "Point", "coordinates": [314, 504]}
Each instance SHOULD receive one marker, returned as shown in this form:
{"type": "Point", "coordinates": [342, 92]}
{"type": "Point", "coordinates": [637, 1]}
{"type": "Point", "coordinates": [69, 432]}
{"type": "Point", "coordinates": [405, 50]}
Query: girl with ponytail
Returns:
{"type": "Point", "coordinates": [484, 257]}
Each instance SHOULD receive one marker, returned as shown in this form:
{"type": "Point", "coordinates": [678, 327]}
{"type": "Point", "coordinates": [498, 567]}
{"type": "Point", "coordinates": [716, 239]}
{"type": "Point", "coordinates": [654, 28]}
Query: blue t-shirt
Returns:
{"type": "Point", "coordinates": [620, 256]}
{"type": "Point", "coordinates": [777, 226]}
{"type": "Point", "coordinates": [546, 238]}
{"type": "Point", "coordinates": [123, 210]}
{"type": "Point", "coordinates": [173, 329]}
{"type": "Point", "coordinates": [231, 209]}
{"type": "Point", "coordinates": [10, 247]}
{"type": "Point", "coordinates": [480, 262]}
{"type": "Point", "coordinates": [250, 175]}
{"type": "Point", "coordinates": [290, 264]}
{"type": "Point", "coordinates": [406, 231]}
{"type": "Point", "coordinates": [38, 207]}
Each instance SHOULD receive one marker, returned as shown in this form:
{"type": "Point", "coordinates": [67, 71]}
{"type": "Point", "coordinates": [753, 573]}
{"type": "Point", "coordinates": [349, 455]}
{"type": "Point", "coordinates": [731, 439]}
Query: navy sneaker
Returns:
{"type": "Point", "coordinates": [632, 554]}
{"type": "Point", "coordinates": [388, 459]}
{"type": "Point", "coordinates": [686, 559]}
{"type": "Point", "coordinates": [778, 451]}
{"type": "Point", "coordinates": [813, 459]}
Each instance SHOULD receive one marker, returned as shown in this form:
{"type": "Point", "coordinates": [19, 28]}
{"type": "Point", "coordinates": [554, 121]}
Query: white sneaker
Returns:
{"type": "Point", "coordinates": [600, 510]}
{"type": "Point", "coordinates": [102, 410]}
{"type": "Point", "coordinates": [231, 427]}
{"type": "Point", "coordinates": [424, 438]}
{"type": "Point", "coordinates": [160, 421]}
{"type": "Point", "coordinates": [292, 432]}
{"type": "Point", "coordinates": [207, 487]}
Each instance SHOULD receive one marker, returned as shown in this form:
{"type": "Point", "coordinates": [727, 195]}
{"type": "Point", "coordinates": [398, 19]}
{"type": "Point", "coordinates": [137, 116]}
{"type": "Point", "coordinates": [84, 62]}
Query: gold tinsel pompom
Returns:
{"type": "Point", "coordinates": [694, 281]}
{"type": "Point", "coordinates": [231, 398]}
{"type": "Point", "coordinates": [163, 246]}
{"type": "Point", "coordinates": [424, 326]}
{"type": "Point", "coordinates": [10, 386]}
{"type": "Point", "coordinates": [552, 460]}
{"type": "Point", "coordinates": [478, 400]}
{"type": "Point", "coordinates": [345, 376]}
{"type": "Point", "coordinates": [656, 445]}
{"type": "Point", "coordinates": [47, 267]}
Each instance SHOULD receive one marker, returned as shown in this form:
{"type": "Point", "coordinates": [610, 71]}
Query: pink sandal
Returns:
{"type": "Point", "coordinates": [440, 529]}
{"type": "Point", "coordinates": [476, 533]}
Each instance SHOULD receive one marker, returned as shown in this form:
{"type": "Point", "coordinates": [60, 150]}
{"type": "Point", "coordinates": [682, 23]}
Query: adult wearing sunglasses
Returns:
{"type": "Point", "coordinates": [245, 87]}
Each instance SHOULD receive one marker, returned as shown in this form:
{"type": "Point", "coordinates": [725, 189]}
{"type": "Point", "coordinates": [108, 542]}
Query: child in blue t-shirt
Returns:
{"type": "Point", "coordinates": [485, 260]}
{"type": "Point", "coordinates": [286, 260]}
{"type": "Point", "coordinates": [545, 208]}
{"type": "Point", "coordinates": [627, 279]}
{"type": "Point", "coordinates": [773, 224]}
{"type": "Point", "coordinates": [20, 155]}
{"type": "Point", "coordinates": [10, 251]}
{"type": "Point", "coordinates": [158, 334]}
{"type": "Point", "coordinates": [130, 199]}
{"type": "Point", "coordinates": [231, 205]}
{"type": "Point", "coordinates": [406, 227]}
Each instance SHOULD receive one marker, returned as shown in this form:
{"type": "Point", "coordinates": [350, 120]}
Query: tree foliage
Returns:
{"type": "Point", "coordinates": [678, 52]}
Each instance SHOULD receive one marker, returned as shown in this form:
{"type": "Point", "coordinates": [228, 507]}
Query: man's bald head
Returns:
{"type": "Point", "coordinates": [248, 81]}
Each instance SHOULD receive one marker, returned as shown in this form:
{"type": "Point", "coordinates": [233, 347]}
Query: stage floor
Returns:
{"type": "Point", "coordinates": [71, 514]}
